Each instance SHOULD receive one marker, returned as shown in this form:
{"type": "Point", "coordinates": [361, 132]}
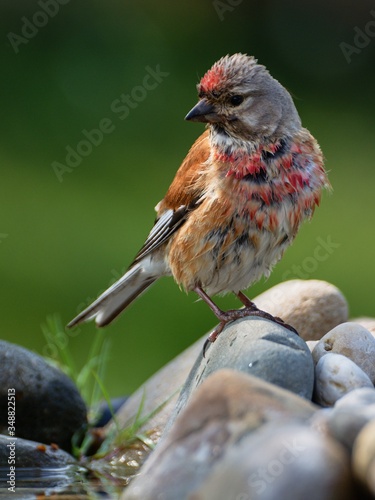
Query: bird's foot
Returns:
{"type": "Point", "coordinates": [226, 317]}
{"type": "Point", "coordinates": [234, 314]}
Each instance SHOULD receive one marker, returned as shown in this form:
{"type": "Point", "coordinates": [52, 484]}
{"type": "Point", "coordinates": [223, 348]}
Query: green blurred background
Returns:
{"type": "Point", "coordinates": [61, 243]}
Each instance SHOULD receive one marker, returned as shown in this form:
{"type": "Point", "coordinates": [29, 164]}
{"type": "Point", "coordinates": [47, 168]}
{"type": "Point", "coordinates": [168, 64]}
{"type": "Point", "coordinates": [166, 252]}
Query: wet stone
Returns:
{"type": "Point", "coordinates": [48, 406]}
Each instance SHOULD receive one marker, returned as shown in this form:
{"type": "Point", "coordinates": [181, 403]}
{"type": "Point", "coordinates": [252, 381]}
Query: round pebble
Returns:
{"type": "Point", "coordinates": [345, 423]}
{"type": "Point", "coordinates": [350, 340]}
{"type": "Point", "coordinates": [364, 396]}
{"type": "Point", "coordinates": [225, 408]}
{"type": "Point", "coordinates": [311, 344]}
{"type": "Point", "coordinates": [363, 458]}
{"type": "Point", "coordinates": [281, 462]}
{"type": "Point", "coordinates": [313, 307]}
{"type": "Point", "coordinates": [258, 347]}
{"type": "Point", "coordinates": [366, 322]}
{"type": "Point", "coordinates": [349, 415]}
{"type": "Point", "coordinates": [31, 455]}
{"type": "Point", "coordinates": [336, 375]}
{"type": "Point", "coordinates": [49, 408]}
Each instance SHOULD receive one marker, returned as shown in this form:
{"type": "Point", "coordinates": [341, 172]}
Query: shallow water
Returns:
{"type": "Point", "coordinates": [95, 477]}
{"type": "Point", "coordinates": [70, 482]}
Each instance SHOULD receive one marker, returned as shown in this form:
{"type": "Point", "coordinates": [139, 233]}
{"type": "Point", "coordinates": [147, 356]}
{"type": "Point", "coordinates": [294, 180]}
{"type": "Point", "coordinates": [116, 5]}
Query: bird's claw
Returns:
{"type": "Point", "coordinates": [233, 314]}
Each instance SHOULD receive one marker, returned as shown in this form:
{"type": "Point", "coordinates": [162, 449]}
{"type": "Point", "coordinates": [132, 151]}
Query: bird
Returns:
{"type": "Point", "coordinates": [236, 202]}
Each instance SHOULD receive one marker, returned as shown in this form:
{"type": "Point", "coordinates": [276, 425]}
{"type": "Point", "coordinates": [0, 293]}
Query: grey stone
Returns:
{"type": "Point", "coordinates": [363, 458]}
{"type": "Point", "coordinates": [32, 454]}
{"type": "Point", "coordinates": [353, 341]}
{"type": "Point", "coordinates": [350, 414]}
{"type": "Point", "coordinates": [257, 347]}
{"type": "Point", "coordinates": [313, 307]}
{"type": "Point", "coordinates": [48, 406]}
{"type": "Point", "coordinates": [319, 421]}
{"type": "Point", "coordinates": [166, 383]}
{"type": "Point", "coordinates": [336, 375]}
{"type": "Point", "coordinates": [366, 322]}
{"type": "Point", "coordinates": [227, 406]}
{"type": "Point", "coordinates": [364, 396]}
{"type": "Point", "coordinates": [280, 462]}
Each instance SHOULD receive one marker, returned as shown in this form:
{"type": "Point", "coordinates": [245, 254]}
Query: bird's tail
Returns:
{"type": "Point", "coordinates": [121, 294]}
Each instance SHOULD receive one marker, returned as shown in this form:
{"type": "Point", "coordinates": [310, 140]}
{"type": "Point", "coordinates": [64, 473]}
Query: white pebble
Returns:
{"type": "Point", "coordinates": [350, 340]}
{"type": "Point", "coordinates": [336, 375]}
{"type": "Point", "coordinates": [311, 344]}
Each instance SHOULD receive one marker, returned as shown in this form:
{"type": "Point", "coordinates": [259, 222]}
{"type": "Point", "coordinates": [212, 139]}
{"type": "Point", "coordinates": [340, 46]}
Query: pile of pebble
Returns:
{"type": "Point", "coordinates": [266, 414]}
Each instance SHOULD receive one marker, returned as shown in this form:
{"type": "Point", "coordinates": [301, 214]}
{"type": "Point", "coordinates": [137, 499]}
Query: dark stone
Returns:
{"type": "Point", "coordinates": [105, 413]}
{"type": "Point", "coordinates": [48, 406]}
{"type": "Point", "coordinates": [30, 454]}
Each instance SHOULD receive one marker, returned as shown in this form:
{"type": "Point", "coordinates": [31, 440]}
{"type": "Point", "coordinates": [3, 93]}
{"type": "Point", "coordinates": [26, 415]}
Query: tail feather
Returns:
{"type": "Point", "coordinates": [119, 296]}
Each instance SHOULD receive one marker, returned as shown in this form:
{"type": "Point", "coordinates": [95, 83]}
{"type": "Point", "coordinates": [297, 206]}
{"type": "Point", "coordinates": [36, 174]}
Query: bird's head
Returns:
{"type": "Point", "coordinates": [240, 98]}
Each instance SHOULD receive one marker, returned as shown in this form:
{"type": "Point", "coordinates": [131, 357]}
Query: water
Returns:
{"type": "Point", "coordinates": [69, 482]}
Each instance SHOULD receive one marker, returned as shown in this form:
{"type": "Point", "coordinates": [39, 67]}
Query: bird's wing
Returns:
{"type": "Point", "coordinates": [164, 227]}
{"type": "Point", "coordinates": [189, 180]}
{"type": "Point", "coordinates": [183, 196]}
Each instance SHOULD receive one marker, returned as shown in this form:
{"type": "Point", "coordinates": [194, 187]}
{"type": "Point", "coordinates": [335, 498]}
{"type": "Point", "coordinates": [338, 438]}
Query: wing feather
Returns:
{"type": "Point", "coordinates": [184, 195]}
{"type": "Point", "coordinates": [163, 229]}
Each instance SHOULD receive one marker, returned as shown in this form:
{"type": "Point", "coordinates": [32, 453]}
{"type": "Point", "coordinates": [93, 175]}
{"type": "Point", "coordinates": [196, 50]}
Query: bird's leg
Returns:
{"type": "Point", "coordinates": [254, 311]}
{"type": "Point", "coordinates": [245, 300]}
{"type": "Point", "coordinates": [225, 317]}
{"type": "Point", "coordinates": [211, 304]}
{"type": "Point", "coordinates": [219, 313]}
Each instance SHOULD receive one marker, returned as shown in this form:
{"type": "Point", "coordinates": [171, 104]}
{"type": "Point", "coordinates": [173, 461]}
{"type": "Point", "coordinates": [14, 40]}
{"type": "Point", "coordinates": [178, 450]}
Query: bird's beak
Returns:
{"type": "Point", "coordinates": [203, 111]}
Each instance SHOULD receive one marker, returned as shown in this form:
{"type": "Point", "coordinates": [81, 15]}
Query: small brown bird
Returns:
{"type": "Point", "coordinates": [237, 201]}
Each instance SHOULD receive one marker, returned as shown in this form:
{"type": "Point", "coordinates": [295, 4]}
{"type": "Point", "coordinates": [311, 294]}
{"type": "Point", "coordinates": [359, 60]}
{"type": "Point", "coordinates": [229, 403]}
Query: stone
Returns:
{"type": "Point", "coordinates": [363, 458]}
{"type": "Point", "coordinates": [319, 421]}
{"type": "Point", "coordinates": [350, 414]}
{"type": "Point", "coordinates": [48, 406]}
{"type": "Point", "coordinates": [287, 462]}
{"type": "Point", "coordinates": [350, 340]}
{"type": "Point", "coordinates": [366, 322]}
{"type": "Point", "coordinates": [257, 347]}
{"type": "Point", "coordinates": [163, 387]}
{"type": "Point", "coordinates": [105, 410]}
{"type": "Point", "coordinates": [311, 344]}
{"type": "Point", "coordinates": [313, 307]}
{"type": "Point", "coordinates": [225, 408]}
{"type": "Point", "coordinates": [336, 375]}
{"type": "Point", "coordinates": [365, 396]}
{"type": "Point", "coordinates": [30, 454]}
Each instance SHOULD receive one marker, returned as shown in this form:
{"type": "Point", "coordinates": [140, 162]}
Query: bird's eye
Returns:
{"type": "Point", "coordinates": [236, 100]}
